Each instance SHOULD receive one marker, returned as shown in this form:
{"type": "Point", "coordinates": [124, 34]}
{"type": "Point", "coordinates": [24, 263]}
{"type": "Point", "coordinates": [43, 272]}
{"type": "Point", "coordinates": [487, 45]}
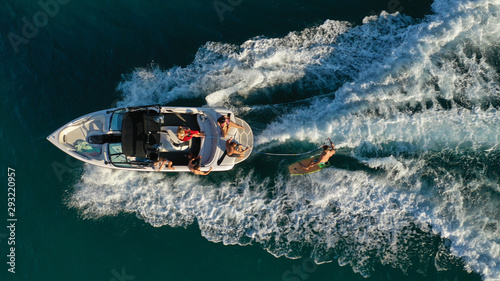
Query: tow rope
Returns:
{"type": "Point", "coordinates": [294, 154]}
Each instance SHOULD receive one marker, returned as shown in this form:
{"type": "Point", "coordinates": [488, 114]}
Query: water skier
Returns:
{"type": "Point", "coordinates": [321, 161]}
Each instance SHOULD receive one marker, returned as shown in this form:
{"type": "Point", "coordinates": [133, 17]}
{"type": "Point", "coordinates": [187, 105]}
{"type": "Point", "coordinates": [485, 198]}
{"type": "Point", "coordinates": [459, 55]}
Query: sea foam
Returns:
{"type": "Point", "coordinates": [416, 104]}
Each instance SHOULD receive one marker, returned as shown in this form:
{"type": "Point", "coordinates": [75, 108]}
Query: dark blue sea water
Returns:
{"type": "Point", "coordinates": [408, 90]}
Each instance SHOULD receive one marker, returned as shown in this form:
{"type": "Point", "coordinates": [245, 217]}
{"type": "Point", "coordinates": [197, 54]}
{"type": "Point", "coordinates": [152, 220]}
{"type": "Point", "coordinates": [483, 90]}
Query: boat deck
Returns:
{"type": "Point", "coordinates": [133, 138]}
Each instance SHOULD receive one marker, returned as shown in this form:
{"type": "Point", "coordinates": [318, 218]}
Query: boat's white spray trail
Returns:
{"type": "Point", "coordinates": [416, 103]}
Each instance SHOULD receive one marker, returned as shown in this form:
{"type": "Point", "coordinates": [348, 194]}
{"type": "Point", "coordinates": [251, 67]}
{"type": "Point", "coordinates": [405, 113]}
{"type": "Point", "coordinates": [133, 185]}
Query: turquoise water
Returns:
{"type": "Point", "coordinates": [411, 101]}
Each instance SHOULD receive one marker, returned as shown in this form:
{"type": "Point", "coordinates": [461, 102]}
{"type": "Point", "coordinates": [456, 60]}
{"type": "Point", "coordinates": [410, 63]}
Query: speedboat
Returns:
{"type": "Point", "coordinates": [135, 138]}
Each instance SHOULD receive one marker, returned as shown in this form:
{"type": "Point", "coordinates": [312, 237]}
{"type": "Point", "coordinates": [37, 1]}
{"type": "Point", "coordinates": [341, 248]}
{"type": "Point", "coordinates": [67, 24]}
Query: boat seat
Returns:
{"type": "Point", "coordinates": [169, 140]}
{"type": "Point", "coordinates": [104, 138]}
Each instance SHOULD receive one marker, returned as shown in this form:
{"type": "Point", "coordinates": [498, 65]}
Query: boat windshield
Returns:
{"type": "Point", "coordinates": [116, 120]}
{"type": "Point", "coordinates": [119, 159]}
{"type": "Point", "coordinates": [116, 155]}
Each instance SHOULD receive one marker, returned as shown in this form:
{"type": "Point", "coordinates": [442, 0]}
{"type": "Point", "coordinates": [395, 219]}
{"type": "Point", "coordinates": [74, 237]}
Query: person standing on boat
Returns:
{"type": "Point", "coordinates": [225, 124]}
{"type": "Point", "coordinates": [185, 134]}
{"type": "Point", "coordinates": [194, 166]}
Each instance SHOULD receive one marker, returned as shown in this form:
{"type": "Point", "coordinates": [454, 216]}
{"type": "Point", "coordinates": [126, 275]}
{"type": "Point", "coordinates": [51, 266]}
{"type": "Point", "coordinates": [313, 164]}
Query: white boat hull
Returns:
{"type": "Point", "coordinates": [103, 139]}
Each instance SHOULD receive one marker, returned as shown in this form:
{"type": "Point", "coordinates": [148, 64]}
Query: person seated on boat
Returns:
{"type": "Point", "coordinates": [158, 165]}
{"type": "Point", "coordinates": [225, 123]}
{"type": "Point", "coordinates": [321, 161]}
{"type": "Point", "coordinates": [233, 149]}
{"type": "Point", "coordinates": [185, 134]}
{"type": "Point", "coordinates": [194, 166]}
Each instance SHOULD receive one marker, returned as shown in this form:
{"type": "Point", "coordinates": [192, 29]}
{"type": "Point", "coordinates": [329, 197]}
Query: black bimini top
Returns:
{"type": "Point", "coordinates": [139, 133]}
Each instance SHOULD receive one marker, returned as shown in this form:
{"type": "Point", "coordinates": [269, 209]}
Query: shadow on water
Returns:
{"type": "Point", "coordinates": [349, 163]}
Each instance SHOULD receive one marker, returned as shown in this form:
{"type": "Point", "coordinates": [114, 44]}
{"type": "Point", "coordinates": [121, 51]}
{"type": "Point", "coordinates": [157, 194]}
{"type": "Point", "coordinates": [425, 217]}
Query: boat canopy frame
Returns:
{"type": "Point", "coordinates": [129, 108]}
{"type": "Point", "coordinates": [140, 133]}
{"type": "Point", "coordinates": [132, 163]}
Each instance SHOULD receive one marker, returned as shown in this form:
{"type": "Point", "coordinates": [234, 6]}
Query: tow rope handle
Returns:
{"type": "Point", "coordinates": [331, 144]}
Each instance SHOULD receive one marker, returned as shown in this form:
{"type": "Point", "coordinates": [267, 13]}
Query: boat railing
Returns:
{"type": "Point", "coordinates": [128, 108]}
